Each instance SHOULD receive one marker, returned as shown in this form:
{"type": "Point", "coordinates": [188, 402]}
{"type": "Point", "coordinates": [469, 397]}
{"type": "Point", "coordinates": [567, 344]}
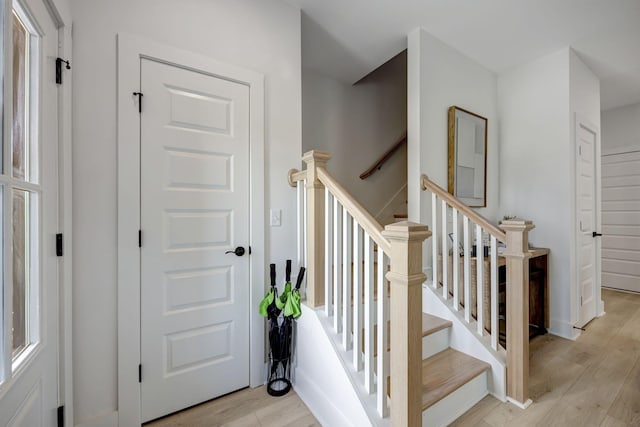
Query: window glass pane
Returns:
{"type": "Point", "coordinates": [20, 131]}
{"type": "Point", "coordinates": [21, 270]}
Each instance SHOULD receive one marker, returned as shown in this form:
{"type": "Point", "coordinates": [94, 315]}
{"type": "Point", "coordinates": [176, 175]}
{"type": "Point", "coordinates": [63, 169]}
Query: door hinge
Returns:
{"type": "Point", "coordinates": [140, 373]}
{"type": "Point", "coordinates": [139, 238]}
{"type": "Point", "coordinates": [139, 95]}
{"type": "Point", "coordinates": [59, 244]}
{"type": "Point", "coordinates": [61, 416]}
{"type": "Point", "coordinates": [580, 301]}
{"type": "Point", "coordinates": [59, 62]}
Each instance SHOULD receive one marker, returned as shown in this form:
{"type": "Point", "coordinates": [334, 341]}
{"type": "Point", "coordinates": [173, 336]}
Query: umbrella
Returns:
{"type": "Point", "coordinates": [271, 305]}
{"type": "Point", "coordinates": [287, 285]}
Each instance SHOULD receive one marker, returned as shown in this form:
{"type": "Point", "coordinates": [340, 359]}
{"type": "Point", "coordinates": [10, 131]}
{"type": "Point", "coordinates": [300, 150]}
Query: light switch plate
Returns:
{"type": "Point", "coordinates": [276, 217]}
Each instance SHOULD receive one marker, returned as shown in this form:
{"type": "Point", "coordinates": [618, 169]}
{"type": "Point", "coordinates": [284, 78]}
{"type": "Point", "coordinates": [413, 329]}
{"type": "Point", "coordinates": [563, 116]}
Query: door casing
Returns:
{"type": "Point", "coordinates": [130, 49]}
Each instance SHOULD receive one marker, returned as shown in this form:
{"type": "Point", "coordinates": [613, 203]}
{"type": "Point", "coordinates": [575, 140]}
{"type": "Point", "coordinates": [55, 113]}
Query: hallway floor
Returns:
{"type": "Point", "coordinates": [244, 408]}
{"type": "Point", "coordinates": [594, 381]}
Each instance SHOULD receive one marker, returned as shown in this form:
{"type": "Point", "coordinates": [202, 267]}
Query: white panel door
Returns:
{"type": "Point", "coordinates": [586, 208]}
{"type": "Point", "coordinates": [621, 221]}
{"type": "Point", "coordinates": [29, 183]}
{"type": "Point", "coordinates": [194, 209]}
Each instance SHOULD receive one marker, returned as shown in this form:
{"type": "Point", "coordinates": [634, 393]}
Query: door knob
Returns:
{"type": "Point", "coordinates": [596, 234]}
{"type": "Point", "coordinates": [239, 251]}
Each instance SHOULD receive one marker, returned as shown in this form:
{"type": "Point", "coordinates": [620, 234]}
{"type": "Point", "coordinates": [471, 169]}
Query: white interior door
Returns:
{"type": "Point", "coordinates": [29, 185]}
{"type": "Point", "coordinates": [194, 209]}
{"type": "Point", "coordinates": [587, 222]}
{"type": "Point", "coordinates": [621, 221]}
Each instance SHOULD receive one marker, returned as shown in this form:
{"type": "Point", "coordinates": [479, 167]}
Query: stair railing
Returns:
{"type": "Point", "coordinates": [456, 272]}
{"type": "Point", "coordinates": [386, 156]}
{"type": "Point", "coordinates": [364, 276]}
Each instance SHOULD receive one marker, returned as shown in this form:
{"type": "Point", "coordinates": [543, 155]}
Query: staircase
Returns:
{"type": "Point", "coordinates": [452, 381]}
{"type": "Point", "coordinates": [361, 276]}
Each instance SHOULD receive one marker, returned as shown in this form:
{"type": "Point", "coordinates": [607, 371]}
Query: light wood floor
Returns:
{"type": "Point", "coordinates": [594, 381]}
{"type": "Point", "coordinates": [245, 408]}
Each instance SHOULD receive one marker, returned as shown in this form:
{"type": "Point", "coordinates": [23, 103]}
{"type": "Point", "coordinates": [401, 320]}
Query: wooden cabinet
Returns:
{"type": "Point", "coordinates": [538, 291]}
{"type": "Point", "coordinates": [538, 294]}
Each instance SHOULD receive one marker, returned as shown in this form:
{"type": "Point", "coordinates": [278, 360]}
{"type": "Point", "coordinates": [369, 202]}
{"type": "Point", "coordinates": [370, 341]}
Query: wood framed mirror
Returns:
{"type": "Point", "coordinates": [467, 159]}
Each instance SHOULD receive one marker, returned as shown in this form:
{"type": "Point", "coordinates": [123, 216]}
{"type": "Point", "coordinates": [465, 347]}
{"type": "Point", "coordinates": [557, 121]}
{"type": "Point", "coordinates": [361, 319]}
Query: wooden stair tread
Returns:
{"type": "Point", "coordinates": [432, 324]}
{"type": "Point", "coordinates": [445, 372]}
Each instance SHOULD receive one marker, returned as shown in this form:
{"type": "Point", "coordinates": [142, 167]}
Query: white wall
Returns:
{"type": "Point", "coordinates": [439, 77]}
{"type": "Point", "coordinates": [260, 35]}
{"type": "Point", "coordinates": [585, 106]}
{"type": "Point", "coordinates": [621, 127]}
{"type": "Point", "coordinates": [537, 103]}
{"type": "Point", "coordinates": [357, 124]}
{"type": "Point", "coordinates": [535, 162]}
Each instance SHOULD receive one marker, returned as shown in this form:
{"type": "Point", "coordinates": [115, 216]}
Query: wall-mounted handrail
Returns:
{"type": "Point", "coordinates": [383, 159]}
{"type": "Point", "coordinates": [427, 184]}
{"type": "Point", "coordinates": [355, 209]}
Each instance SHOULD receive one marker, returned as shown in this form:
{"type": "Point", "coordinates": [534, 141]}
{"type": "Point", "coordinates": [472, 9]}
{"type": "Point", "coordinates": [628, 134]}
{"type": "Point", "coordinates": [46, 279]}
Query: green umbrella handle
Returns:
{"type": "Point", "coordinates": [300, 276]}
{"type": "Point", "coordinates": [288, 271]}
{"type": "Point", "coordinates": [273, 275]}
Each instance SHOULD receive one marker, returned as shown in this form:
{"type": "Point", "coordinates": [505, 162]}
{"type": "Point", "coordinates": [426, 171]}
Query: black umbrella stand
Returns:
{"type": "Point", "coordinates": [280, 343]}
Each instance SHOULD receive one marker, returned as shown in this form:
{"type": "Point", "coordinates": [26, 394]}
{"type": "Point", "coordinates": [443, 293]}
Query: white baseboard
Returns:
{"type": "Point", "coordinates": [563, 329]}
{"type": "Point", "coordinates": [107, 420]}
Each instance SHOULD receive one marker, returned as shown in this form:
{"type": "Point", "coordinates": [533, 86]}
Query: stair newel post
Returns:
{"type": "Point", "coordinates": [315, 227]}
{"type": "Point", "coordinates": [517, 259]}
{"type": "Point", "coordinates": [406, 277]}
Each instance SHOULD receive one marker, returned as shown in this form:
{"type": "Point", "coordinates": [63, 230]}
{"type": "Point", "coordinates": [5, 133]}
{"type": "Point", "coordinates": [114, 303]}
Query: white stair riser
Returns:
{"type": "Point", "coordinates": [435, 343]}
{"type": "Point", "coordinates": [457, 403]}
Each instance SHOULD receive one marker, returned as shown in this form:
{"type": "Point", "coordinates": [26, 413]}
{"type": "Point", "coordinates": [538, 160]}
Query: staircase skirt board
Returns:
{"type": "Point", "coordinates": [322, 378]}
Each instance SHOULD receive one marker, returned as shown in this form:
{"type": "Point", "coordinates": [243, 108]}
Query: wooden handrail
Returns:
{"type": "Point", "coordinates": [386, 156]}
{"type": "Point", "coordinates": [427, 184]}
{"type": "Point", "coordinates": [355, 209]}
{"type": "Point", "coordinates": [296, 175]}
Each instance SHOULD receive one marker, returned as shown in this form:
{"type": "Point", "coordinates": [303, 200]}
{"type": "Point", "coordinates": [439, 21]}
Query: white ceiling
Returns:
{"type": "Point", "coordinates": [350, 38]}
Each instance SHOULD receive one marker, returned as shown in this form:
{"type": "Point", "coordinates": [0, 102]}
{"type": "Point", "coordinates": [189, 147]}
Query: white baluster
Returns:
{"type": "Point", "coordinates": [369, 310]}
{"type": "Point", "coordinates": [494, 294]}
{"type": "Point", "coordinates": [346, 280]}
{"type": "Point", "coordinates": [382, 368]}
{"type": "Point", "coordinates": [445, 253]}
{"type": "Point", "coordinates": [479, 279]}
{"type": "Point", "coordinates": [467, 269]}
{"type": "Point", "coordinates": [305, 228]}
{"type": "Point", "coordinates": [357, 296]}
{"type": "Point", "coordinates": [337, 271]}
{"type": "Point", "coordinates": [434, 239]}
{"type": "Point", "coordinates": [328, 252]}
{"type": "Point", "coordinates": [455, 260]}
{"type": "Point", "coordinates": [301, 219]}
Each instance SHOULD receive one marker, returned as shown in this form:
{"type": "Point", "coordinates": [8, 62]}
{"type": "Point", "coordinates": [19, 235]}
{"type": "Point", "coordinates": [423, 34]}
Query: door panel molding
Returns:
{"type": "Point", "coordinates": [130, 50]}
